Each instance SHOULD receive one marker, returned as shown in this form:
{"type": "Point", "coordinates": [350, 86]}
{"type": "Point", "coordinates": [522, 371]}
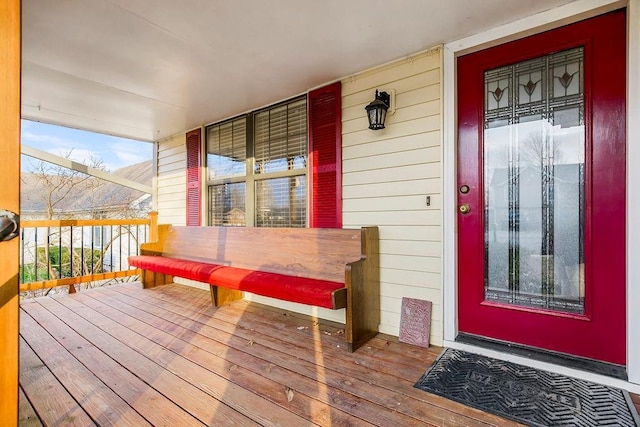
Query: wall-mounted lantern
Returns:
{"type": "Point", "coordinates": [377, 110]}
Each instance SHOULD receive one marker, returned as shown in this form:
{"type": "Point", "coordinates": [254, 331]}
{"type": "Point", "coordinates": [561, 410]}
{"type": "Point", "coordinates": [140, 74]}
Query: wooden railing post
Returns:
{"type": "Point", "coordinates": [153, 226]}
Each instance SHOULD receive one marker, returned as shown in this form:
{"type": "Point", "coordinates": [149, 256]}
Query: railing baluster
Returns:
{"type": "Point", "coordinates": [72, 288]}
{"type": "Point", "coordinates": [91, 257]}
{"type": "Point", "coordinates": [82, 270]}
{"type": "Point", "coordinates": [60, 272]}
{"type": "Point", "coordinates": [110, 249]}
{"type": "Point", "coordinates": [47, 253]}
{"type": "Point", "coordinates": [120, 247]}
{"type": "Point", "coordinates": [35, 263]}
{"type": "Point", "coordinates": [137, 239]}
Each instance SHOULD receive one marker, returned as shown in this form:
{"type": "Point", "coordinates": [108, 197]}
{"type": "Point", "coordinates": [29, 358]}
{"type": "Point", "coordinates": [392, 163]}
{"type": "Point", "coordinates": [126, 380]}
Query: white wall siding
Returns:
{"type": "Point", "coordinates": [172, 161]}
{"type": "Point", "coordinates": [387, 176]}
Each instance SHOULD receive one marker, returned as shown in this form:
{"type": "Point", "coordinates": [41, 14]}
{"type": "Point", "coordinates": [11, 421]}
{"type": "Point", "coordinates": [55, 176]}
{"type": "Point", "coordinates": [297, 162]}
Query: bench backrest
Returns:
{"type": "Point", "coordinates": [318, 253]}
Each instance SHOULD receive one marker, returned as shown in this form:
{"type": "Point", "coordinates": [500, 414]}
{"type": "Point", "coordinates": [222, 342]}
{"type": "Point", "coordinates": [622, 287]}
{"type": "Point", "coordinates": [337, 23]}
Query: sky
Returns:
{"type": "Point", "coordinates": [114, 152]}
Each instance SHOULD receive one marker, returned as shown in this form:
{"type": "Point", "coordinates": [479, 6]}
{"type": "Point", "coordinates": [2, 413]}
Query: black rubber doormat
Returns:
{"type": "Point", "coordinates": [526, 395]}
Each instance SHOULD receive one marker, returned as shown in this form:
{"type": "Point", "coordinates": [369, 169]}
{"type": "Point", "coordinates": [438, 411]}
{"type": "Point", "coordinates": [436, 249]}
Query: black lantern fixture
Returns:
{"type": "Point", "coordinates": [377, 110]}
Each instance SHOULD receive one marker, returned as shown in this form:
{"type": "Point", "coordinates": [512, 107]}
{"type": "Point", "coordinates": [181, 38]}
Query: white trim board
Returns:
{"type": "Point", "coordinates": [553, 18]}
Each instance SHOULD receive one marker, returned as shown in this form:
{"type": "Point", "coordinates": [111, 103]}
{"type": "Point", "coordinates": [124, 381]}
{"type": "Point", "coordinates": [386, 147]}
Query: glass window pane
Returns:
{"type": "Point", "coordinates": [227, 205]}
{"type": "Point", "coordinates": [534, 154]}
{"type": "Point", "coordinates": [227, 149]}
{"type": "Point", "coordinates": [281, 138]}
{"type": "Point", "coordinates": [281, 202]}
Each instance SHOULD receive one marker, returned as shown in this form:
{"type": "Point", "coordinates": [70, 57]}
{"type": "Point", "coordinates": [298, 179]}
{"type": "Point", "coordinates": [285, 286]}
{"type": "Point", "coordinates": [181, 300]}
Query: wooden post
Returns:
{"type": "Point", "coordinates": [153, 227]}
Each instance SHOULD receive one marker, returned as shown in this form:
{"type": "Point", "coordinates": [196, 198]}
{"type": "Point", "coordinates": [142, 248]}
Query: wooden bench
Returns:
{"type": "Point", "coordinates": [329, 268]}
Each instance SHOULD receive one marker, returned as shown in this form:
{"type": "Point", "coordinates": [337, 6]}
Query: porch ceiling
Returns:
{"type": "Point", "coordinates": [148, 69]}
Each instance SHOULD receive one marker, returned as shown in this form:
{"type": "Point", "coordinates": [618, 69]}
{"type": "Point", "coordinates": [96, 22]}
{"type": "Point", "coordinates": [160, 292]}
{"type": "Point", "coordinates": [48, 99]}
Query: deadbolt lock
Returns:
{"type": "Point", "coordinates": [464, 209]}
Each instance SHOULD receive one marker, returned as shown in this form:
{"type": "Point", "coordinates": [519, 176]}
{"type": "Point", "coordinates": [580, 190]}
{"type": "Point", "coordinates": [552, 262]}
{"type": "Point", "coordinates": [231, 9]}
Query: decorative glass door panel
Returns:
{"type": "Point", "coordinates": [541, 191]}
{"type": "Point", "coordinates": [534, 156]}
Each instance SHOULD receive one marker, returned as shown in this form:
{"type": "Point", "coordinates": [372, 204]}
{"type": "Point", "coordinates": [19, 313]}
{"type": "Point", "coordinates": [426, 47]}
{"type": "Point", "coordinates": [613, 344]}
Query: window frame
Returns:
{"type": "Point", "coordinates": [250, 178]}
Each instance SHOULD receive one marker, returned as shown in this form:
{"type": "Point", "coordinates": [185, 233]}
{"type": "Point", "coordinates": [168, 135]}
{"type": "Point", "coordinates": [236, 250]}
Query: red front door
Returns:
{"type": "Point", "coordinates": [541, 190]}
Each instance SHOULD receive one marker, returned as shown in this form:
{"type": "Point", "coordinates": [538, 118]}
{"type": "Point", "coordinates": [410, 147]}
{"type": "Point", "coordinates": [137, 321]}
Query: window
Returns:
{"type": "Point", "coordinates": [257, 166]}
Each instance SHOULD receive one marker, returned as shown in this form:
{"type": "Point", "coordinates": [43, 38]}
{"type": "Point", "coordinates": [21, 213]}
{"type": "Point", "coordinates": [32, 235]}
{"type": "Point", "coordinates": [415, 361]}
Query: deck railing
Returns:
{"type": "Point", "coordinates": [72, 252]}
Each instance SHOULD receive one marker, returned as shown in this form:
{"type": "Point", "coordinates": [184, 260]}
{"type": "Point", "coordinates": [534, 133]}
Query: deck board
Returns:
{"type": "Point", "coordinates": [248, 355]}
{"type": "Point", "coordinates": [283, 337]}
{"type": "Point", "coordinates": [27, 414]}
{"type": "Point", "coordinates": [145, 400]}
{"type": "Point", "coordinates": [122, 355]}
{"type": "Point", "coordinates": [101, 403]}
{"type": "Point", "coordinates": [53, 404]}
{"type": "Point", "coordinates": [394, 380]}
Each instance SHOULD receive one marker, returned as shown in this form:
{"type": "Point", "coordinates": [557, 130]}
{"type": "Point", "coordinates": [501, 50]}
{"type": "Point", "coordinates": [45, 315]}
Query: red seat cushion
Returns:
{"type": "Point", "coordinates": [193, 270]}
{"type": "Point", "coordinates": [280, 286]}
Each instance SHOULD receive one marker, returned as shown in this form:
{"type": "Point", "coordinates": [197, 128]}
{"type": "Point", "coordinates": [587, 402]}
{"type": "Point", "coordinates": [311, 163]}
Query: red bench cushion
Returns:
{"type": "Point", "coordinates": [288, 288]}
{"type": "Point", "coordinates": [280, 286]}
{"type": "Point", "coordinates": [193, 270]}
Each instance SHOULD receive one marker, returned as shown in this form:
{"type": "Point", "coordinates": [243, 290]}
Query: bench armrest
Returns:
{"type": "Point", "coordinates": [362, 279]}
{"type": "Point", "coordinates": [156, 248]}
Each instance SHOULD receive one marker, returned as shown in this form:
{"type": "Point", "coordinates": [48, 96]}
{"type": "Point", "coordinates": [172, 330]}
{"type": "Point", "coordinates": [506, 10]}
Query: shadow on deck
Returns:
{"type": "Point", "coordinates": [121, 355]}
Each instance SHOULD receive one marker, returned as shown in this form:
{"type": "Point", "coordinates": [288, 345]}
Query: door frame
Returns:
{"type": "Point", "coordinates": [10, 200]}
{"type": "Point", "coordinates": [547, 20]}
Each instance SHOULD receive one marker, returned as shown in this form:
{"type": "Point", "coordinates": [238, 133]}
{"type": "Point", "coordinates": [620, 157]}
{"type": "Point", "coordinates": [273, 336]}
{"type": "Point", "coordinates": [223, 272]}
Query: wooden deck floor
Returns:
{"type": "Point", "coordinates": [122, 355]}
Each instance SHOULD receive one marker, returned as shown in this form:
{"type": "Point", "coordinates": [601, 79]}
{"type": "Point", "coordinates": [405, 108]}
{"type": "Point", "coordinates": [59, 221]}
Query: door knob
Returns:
{"type": "Point", "coordinates": [465, 209]}
{"type": "Point", "coordinates": [9, 225]}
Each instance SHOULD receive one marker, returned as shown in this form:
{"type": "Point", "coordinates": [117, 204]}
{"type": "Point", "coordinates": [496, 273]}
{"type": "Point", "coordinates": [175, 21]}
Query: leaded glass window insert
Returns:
{"type": "Point", "coordinates": [534, 180]}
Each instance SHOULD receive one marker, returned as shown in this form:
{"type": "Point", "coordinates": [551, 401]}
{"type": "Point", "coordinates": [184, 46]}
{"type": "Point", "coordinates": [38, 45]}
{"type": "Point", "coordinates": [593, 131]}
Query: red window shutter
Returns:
{"type": "Point", "coordinates": [325, 157]}
{"type": "Point", "coordinates": [193, 177]}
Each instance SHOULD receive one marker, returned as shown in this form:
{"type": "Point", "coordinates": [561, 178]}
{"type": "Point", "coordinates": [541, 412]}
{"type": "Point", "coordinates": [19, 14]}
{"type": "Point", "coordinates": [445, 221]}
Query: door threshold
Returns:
{"type": "Point", "coordinates": [546, 356]}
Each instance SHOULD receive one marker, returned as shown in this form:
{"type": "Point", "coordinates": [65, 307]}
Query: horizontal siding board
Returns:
{"type": "Point", "coordinates": [173, 189]}
{"type": "Point", "coordinates": [394, 290]}
{"type": "Point", "coordinates": [393, 304]}
{"type": "Point", "coordinates": [411, 262]}
{"type": "Point", "coordinates": [416, 97]}
{"type": "Point", "coordinates": [405, 143]}
{"type": "Point", "coordinates": [412, 127]}
{"type": "Point", "coordinates": [427, 67]}
{"type": "Point", "coordinates": [409, 279]}
{"type": "Point", "coordinates": [410, 218]}
{"type": "Point", "coordinates": [429, 94]}
{"type": "Point", "coordinates": [400, 158]}
{"type": "Point", "coordinates": [167, 151]}
{"type": "Point", "coordinates": [432, 233]}
{"type": "Point", "coordinates": [177, 140]}
{"type": "Point", "coordinates": [396, 174]}
{"type": "Point", "coordinates": [172, 181]}
{"type": "Point", "coordinates": [390, 189]}
{"type": "Point", "coordinates": [400, 86]}
{"type": "Point", "coordinates": [405, 114]}
{"type": "Point", "coordinates": [178, 158]}
{"type": "Point", "coordinates": [397, 203]}
{"type": "Point", "coordinates": [176, 166]}
{"type": "Point", "coordinates": [172, 212]}
{"type": "Point", "coordinates": [172, 178]}
{"type": "Point", "coordinates": [411, 247]}
{"type": "Point", "coordinates": [172, 204]}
